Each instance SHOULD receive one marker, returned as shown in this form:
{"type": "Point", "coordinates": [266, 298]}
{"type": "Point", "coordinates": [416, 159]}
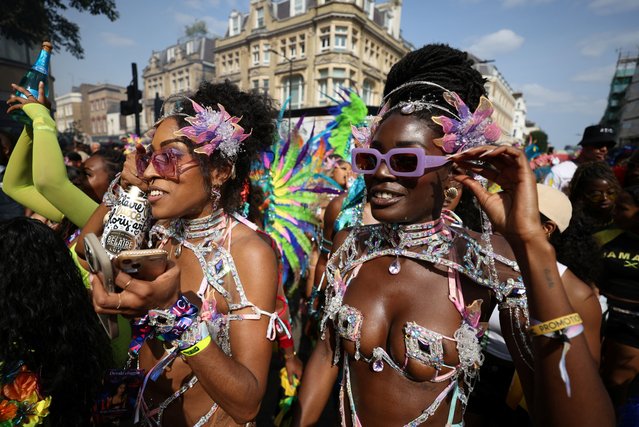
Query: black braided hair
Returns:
{"type": "Point", "coordinates": [257, 116]}
{"type": "Point", "coordinates": [113, 160]}
{"type": "Point", "coordinates": [440, 64]}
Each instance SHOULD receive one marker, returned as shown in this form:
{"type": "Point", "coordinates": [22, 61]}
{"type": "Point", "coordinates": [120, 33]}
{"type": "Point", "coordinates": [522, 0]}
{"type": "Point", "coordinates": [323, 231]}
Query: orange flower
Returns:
{"type": "Point", "coordinates": [24, 384]}
{"type": "Point", "coordinates": [8, 410]}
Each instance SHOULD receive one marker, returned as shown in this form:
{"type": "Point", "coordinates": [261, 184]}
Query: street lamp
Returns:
{"type": "Point", "coordinates": [290, 87]}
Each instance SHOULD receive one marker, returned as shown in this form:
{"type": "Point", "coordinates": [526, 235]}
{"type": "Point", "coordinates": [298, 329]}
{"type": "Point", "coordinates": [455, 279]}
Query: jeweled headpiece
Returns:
{"type": "Point", "coordinates": [463, 130]}
{"type": "Point", "coordinates": [471, 130]}
{"type": "Point", "coordinates": [212, 130]}
{"type": "Point", "coordinates": [363, 134]}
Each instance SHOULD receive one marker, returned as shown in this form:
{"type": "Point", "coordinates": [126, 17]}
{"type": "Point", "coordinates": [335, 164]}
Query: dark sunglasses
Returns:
{"type": "Point", "coordinates": [408, 162]}
{"type": "Point", "coordinates": [600, 196]}
{"type": "Point", "coordinates": [164, 162]}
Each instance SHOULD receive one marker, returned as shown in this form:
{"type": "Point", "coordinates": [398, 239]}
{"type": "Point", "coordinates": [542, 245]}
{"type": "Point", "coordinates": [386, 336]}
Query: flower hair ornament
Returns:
{"type": "Point", "coordinates": [212, 130]}
{"type": "Point", "coordinates": [468, 129]}
{"type": "Point", "coordinates": [363, 134]}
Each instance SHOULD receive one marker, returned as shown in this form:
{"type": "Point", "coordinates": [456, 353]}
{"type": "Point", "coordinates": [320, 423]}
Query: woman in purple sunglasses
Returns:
{"type": "Point", "coordinates": [407, 299]}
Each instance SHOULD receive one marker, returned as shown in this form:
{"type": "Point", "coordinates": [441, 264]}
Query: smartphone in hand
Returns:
{"type": "Point", "coordinates": [145, 264]}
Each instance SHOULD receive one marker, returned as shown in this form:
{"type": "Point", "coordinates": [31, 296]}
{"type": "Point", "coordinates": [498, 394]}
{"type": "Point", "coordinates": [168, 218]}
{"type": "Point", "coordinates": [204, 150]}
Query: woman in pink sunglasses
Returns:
{"type": "Point", "coordinates": [203, 330]}
{"type": "Point", "coordinates": [406, 299]}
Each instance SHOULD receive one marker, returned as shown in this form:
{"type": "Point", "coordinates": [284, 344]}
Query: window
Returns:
{"type": "Point", "coordinates": [266, 54]}
{"type": "Point", "coordinates": [296, 91]}
{"type": "Point", "coordinates": [325, 38]}
{"type": "Point", "coordinates": [234, 24]}
{"type": "Point", "coordinates": [256, 84]}
{"type": "Point", "coordinates": [341, 33]}
{"type": "Point", "coordinates": [259, 18]}
{"type": "Point", "coordinates": [170, 54]}
{"type": "Point", "coordinates": [322, 85]}
{"type": "Point", "coordinates": [298, 7]}
{"type": "Point", "coordinates": [339, 78]}
{"type": "Point", "coordinates": [190, 45]}
{"type": "Point", "coordinates": [256, 54]}
{"type": "Point", "coordinates": [302, 45]}
{"type": "Point", "coordinates": [367, 92]}
{"type": "Point", "coordinates": [265, 85]}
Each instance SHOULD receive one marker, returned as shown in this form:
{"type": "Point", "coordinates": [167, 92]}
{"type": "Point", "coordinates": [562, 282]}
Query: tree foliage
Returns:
{"type": "Point", "coordinates": [32, 21]}
{"type": "Point", "coordinates": [540, 138]}
{"type": "Point", "coordinates": [197, 29]}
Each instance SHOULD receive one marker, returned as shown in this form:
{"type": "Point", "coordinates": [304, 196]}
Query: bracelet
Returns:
{"type": "Point", "coordinates": [169, 325]}
{"type": "Point", "coordinates": [197, 347]}
{"type": "Point", "coordinates": [289, 356]}
{"type": "Point", "coordinates": [112, 194]}
{"type": "Point", "coordinates": [555, 325]}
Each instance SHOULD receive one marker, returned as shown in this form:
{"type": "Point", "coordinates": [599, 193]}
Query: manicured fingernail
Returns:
{"type": "Point", "coordinates": [486, 153]}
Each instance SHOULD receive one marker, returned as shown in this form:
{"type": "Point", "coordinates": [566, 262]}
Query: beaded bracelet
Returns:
{"type": "Point", "coordinates": [555, 325]}
{"type": "Point", "coordinates": [169, 325]}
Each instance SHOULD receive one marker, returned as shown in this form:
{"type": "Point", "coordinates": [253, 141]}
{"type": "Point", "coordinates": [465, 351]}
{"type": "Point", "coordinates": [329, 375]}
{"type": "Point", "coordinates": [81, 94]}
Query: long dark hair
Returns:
{"type": "Point", "coordinates": [47, 319]}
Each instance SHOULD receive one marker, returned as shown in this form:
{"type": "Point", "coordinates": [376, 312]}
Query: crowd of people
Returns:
{"type": "Point", "coordinates": [447, 284]}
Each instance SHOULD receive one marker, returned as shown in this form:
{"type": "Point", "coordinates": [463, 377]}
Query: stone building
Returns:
{"type": "Point", "coordinates": [175, 69]}
{"type": "Point", "coordinates": [311, 48]}
{"type": "Point", "coordinates": [100, 101]}
{"type": "Point", "coordinates": [69, 111]}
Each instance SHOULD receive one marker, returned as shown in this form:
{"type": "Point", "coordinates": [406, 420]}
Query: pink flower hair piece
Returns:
{"type": "Point", "coordinates": [363, 135]}
{"type": "Point", "coordinates": [471, 130]}
{"type": "Point", "coordinates": [214, 129]}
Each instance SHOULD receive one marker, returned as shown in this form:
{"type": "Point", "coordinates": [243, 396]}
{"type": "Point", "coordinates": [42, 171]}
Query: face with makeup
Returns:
{"type": "Point", "coordinates": [341, 172]}
{"type": "Point", "coordinates": [184, 196]}
{"type": "Point", "coordinates": [406, 199]}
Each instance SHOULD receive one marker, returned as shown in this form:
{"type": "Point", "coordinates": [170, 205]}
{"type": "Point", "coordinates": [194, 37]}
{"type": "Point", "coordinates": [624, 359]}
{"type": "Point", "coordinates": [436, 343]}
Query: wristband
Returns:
{"type": "Point", "coordinates": [555, 325]}
{"type": "Point", "coordinates": [197, 347]}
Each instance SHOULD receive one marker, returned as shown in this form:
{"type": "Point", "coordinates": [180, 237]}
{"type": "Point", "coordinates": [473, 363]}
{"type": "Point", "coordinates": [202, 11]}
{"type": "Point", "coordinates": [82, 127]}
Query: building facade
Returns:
{"type": "Point", "coordinates": [101, 100]}
{"type": "Point", "coordinates": [177, 69]}
{"type": "Point", "coordinates": [501, 95]}
{"type": "Point", "coordinates": [519, 119]}
{"type": "Point", "coordinates": [69, 111]}
{"type": "Point", "coordinates": [621, 81]}
{"type": "Point", "coordinates": [309, 49]}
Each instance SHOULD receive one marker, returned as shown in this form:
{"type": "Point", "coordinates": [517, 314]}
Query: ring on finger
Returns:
{"type": "Point", "coordinates": [119, 301]}
{"type": "Point", "coordinates": [127, 284]}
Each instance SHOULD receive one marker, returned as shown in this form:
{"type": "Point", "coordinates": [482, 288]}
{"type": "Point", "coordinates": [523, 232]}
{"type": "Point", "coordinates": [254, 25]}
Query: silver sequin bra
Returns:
{"type": "Point", "coordinates": [436, 243]}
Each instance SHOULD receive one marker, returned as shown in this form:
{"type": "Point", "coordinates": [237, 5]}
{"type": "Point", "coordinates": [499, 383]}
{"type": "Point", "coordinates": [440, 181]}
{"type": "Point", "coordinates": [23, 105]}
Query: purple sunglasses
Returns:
{"type": "Point", "coordinates": [409, 162]}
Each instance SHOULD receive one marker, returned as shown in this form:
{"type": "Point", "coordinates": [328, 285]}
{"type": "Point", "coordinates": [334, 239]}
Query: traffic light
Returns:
{"type": "Point", "coordinates": [132, 104]}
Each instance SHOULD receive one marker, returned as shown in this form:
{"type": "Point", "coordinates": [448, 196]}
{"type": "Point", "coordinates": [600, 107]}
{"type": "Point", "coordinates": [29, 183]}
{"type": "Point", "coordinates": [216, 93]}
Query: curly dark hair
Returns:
{"type": "Point", "coordinates": [48, 320]}
{"type": "Point", "coordinates": [440, 64]}
{"type": "Point", "coordinates": [113, 160]}
{"type": "Point", "coordinates": [576, 248]}
{"type": "Point", "coordinates": [585, 174]}
{"type": "Point", "coordinates": [258, 117]}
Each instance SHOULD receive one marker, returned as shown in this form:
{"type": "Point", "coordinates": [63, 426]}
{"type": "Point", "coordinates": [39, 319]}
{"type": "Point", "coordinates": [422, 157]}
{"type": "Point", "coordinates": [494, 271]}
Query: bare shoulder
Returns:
{"type": "Point", "coordinates": [249, 245]}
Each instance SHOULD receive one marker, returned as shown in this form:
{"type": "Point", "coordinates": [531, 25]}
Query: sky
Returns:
{"type": "Point", "coordinates": [560, 54]}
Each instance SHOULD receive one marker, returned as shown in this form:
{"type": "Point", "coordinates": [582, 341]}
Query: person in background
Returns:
{"type": "Point", "coordinates": [631, 175]}
{"type": "Point", "coordinates": [595, 143]}
{"type": "Point", "coordinates": [593, 191]}
{"type": "Point", "coordinates": [51, 341]}
{"type": "Point", "coordinates": [620, 284]}
{"type": "Point", "coordinates": [72, 158]}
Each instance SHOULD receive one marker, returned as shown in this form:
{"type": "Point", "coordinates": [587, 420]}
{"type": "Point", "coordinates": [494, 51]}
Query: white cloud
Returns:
{"type": "Point", "coordinates": [490, 45]}
{"type": "Point", "coordinates": [610, 7]}
{"type": "Point", "coordinates": [597, 44]}
{"type": "Point", "coordinates": [117, 40]}
{"type": "Point", "coordinates": [556, 101]}
{"type": "Point", "coordinates": [596, 75]}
